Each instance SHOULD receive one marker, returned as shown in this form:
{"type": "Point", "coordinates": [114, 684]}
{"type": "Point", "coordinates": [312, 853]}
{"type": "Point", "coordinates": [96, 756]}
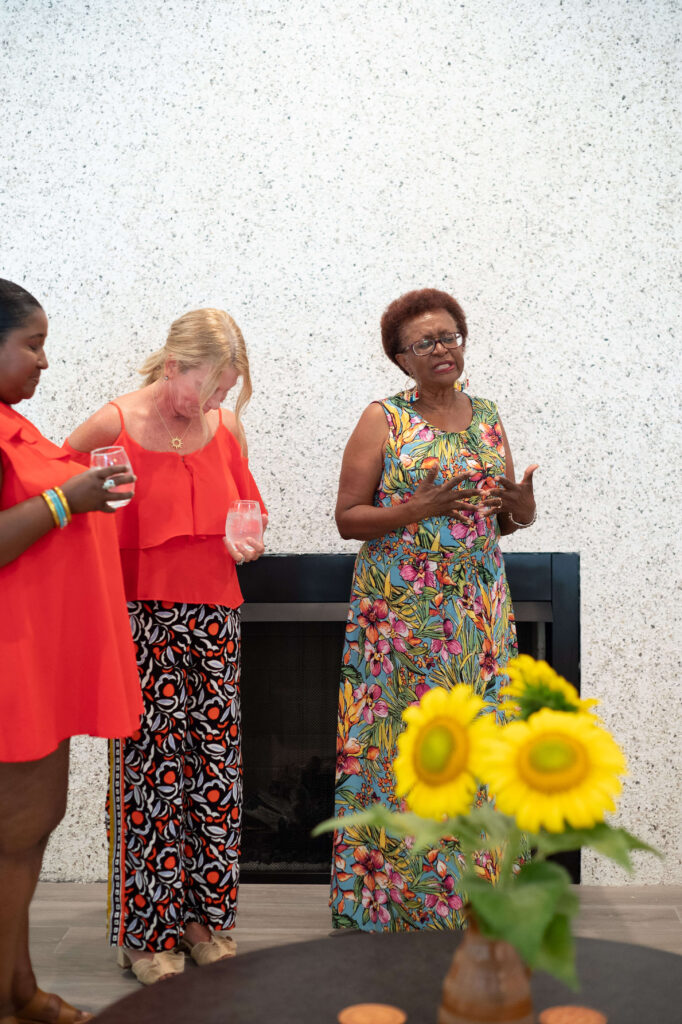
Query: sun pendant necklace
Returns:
{"type": "Point", "coordinates": [175, 439]}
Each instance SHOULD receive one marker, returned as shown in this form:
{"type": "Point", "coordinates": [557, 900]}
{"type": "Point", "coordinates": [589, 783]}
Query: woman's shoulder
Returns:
{"type": "Point", "coordinates": [484, 408]}
{"type": "Point", "coordinates": [232, 425]}
{"type": "Point", "coordinates": [392, 405]}
{"type": "Point", "coordinates": [100, 430]}
{"type": "Point", "coordinates": [12, 422]}
{"type": "Point", "coordinates": [400, 399]}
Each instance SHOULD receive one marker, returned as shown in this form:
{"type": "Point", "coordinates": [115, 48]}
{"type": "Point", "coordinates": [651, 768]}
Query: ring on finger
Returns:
{"type": "Point", "coordinates": [108, 483]}
{"type": "Point", "coordinates": [241, 561]}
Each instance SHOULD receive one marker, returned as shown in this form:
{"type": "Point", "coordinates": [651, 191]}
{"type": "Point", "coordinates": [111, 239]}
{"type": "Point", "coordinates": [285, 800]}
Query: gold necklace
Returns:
{"type": "Point", "coordinates": [175, 440]}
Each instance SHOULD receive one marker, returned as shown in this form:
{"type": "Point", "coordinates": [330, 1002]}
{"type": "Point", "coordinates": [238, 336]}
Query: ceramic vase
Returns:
{"type": "Point", "coordinates": [487, 982]}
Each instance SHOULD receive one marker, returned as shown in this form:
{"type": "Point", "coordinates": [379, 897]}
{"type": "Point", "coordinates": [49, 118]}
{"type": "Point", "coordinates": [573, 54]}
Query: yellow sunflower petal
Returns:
{"type": "Point", "coordinates": [433, 768]}
{"type": "Point", "coordinates": [554, 768]}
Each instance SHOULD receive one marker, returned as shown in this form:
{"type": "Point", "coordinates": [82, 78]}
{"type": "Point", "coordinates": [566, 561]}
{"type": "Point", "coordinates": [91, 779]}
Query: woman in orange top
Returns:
{"type": "Point", "coordinates": [176, 786]}
{"type": "Point", "coordinates": [68, 664]}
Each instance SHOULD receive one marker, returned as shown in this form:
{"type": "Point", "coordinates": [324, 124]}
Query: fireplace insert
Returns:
{"type": "Point", "coordinates": [293, 624]}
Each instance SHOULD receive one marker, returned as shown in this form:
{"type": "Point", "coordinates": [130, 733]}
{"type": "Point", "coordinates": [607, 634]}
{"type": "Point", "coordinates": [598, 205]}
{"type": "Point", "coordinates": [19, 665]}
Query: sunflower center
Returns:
{"type": "Point", "coordinates": [440, 752]}
{"type": "Point", "coordinates": [554, 762]}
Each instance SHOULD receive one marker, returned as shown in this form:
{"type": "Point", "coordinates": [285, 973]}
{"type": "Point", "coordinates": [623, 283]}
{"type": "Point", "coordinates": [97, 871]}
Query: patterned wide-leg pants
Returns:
{"type": "Point", "coordinates": [175, 787]}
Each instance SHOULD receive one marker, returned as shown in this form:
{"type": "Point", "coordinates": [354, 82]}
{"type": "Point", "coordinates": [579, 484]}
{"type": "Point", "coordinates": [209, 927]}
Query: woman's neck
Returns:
{"type": "Point", "coordinates": [162, 397]}
{"type": "Point", "coordinates": [439, 397]}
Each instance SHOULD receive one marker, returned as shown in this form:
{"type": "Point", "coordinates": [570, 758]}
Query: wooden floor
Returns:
{"type": "Point", "coordinates": [71, 957]}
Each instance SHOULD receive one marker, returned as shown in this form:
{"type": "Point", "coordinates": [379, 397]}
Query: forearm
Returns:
{"type": "Point", "coordinates": [507, 526]}
{"type": "Point", "coordinates": [367, 522]}
{"type": "Point", "coordinates": [21, 526]}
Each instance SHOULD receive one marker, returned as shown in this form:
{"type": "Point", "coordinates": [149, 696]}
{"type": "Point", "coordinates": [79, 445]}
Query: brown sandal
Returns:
{"type": "Point", "coordinates": [40, 1010]}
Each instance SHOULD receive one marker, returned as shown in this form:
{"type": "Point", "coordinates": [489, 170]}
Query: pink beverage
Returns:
{"type": "Point", "coordinates": [114, 456]}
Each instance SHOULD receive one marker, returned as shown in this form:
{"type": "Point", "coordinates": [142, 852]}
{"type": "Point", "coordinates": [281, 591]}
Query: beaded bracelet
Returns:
{"type": "Point", "coordinates": [62, 498]}
{"type": "Point", "coordinates": [523, 526]}
{"type": "Point", "coordinates": [56, 508]}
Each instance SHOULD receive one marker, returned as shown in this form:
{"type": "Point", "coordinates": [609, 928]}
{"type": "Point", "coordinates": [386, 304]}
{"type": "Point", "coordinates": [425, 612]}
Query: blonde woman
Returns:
{"type": "Point", "coordinates": [175, 787]}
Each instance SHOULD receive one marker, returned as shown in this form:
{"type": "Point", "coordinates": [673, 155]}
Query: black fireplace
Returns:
{"type": "Point", "coordinates": [293, 630]}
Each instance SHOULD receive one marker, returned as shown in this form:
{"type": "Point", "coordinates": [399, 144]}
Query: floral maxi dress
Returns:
{"type": "Point", "coordinates": [429, 607]}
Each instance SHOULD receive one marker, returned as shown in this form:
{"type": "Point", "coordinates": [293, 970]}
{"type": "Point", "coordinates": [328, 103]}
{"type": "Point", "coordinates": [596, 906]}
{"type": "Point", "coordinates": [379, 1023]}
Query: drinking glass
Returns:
{"type": "Point", "coordinates": [113, 456]}
{"type": "Point", "coordinates": [244, 522]}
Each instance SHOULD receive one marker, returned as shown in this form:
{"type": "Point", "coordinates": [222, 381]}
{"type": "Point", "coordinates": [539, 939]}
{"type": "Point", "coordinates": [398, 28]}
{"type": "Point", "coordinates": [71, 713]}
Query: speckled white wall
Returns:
{"type": "Point", "coordinates": [303, 163]}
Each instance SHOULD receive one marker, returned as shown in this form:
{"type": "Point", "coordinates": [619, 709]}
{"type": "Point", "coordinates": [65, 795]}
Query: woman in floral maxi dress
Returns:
{"type": "Point", "coordinates": [428, 483]}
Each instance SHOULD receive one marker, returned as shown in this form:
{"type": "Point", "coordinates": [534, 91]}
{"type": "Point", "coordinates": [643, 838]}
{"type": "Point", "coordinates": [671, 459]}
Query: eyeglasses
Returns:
{"type": "Point", "coordinates": [425, 346]}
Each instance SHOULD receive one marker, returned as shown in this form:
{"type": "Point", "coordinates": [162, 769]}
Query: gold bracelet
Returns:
{"type": "Point", "coordinates": [62, 498]}
{"type": "Point", "coordinates": [52, 507]}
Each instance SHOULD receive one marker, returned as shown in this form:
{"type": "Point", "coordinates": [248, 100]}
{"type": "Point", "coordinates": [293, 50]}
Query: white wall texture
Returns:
{"type": "Point", "coordinates": [303, 163]}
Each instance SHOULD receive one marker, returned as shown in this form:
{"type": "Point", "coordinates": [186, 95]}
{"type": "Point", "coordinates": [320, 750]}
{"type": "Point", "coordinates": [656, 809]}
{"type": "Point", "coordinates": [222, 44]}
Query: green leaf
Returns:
{"type": "Point", "coordinates": [426, 832]}
{"type": "Point", "coordinates": [615, 843]}
{"type": "Point", "coordinates": [343, 921]}
{"type": "Point", "coordinates": [357, 888]}
{"type": "Point", "coordinates": [351, 673]}
{"type": "Point", "coordinates": [521, 913]}
{"type": "Point", "coordinates": [378, 816]}
{"type": "Point", "coordinates": [482, 828]}
{"type": "Point", "coordinates": [406, 662]}
{"type": "Point", "coordinates": [557, 952]}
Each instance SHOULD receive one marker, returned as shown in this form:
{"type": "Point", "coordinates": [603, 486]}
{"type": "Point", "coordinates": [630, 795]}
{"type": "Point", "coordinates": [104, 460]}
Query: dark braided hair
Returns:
{"type": "Point", "coordinates": [16, 306]}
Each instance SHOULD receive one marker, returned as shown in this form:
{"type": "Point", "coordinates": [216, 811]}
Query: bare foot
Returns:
{"type": "Point", "coordinates": [195, 932]}
{"type": "Point", "coordinates": [49, 1007]}
{"type": "Point", "coordinates": [139, 954]}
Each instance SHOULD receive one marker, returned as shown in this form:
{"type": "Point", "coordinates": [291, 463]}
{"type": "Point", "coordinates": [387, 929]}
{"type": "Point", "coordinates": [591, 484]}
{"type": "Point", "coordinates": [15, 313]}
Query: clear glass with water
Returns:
{"type": "Point", "coordinates": [244, 522]}
{"type": "Point", "coordinates": [115, 455]}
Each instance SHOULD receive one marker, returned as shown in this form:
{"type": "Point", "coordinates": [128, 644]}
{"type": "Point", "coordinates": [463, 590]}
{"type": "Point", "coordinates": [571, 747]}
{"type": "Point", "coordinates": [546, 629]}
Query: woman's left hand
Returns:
{"type": "Point", "coordinates": [511, 498]}
{"type": "Point", "coordinates": [244, 550]}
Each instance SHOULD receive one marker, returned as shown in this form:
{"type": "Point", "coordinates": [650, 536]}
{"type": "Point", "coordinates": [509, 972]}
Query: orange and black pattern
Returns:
{"type": "Point", "coordinates": [175, 786]}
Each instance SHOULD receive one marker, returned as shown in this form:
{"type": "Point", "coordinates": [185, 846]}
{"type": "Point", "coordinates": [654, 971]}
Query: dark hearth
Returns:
{"type": "Point", "coordinates": [293, 628]}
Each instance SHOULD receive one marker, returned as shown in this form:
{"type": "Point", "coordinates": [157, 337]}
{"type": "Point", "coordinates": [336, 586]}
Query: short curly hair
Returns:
{"type": "Point", "coordinates": [423, 300]}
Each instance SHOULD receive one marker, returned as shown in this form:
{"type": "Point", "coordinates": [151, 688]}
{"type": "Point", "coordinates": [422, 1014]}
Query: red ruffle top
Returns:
{"type": "Point", "coordinates": [171, 533]}
{"type": "Point", "coordinates": [67, 661]}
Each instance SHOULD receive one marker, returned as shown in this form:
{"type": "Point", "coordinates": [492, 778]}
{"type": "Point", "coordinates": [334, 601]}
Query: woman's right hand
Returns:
{"type": "Point", "coordinates": [446, 499]}
{"type": "Point", "coordinates": [85, 492]}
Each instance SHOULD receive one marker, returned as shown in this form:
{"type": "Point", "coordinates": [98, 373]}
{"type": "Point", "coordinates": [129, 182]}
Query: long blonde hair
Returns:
{"type": "Point", "coordinates": [204, 336]}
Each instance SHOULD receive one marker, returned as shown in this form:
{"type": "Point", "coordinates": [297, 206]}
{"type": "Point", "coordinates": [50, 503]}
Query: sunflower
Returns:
{"type": "Point", "coordinates": [552, 769]}
{"type": "Point", "coordinates": [534, 685]}
{"type": "Point", "coordinates": [433, 766]}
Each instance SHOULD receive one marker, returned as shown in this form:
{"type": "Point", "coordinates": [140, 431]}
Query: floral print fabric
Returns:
{"type": "Point", "coordinates": [429, 607]}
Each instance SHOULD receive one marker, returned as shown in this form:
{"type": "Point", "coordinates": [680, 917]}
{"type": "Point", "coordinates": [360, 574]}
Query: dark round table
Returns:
{"type": "Point", "coordinates": [310, 982]}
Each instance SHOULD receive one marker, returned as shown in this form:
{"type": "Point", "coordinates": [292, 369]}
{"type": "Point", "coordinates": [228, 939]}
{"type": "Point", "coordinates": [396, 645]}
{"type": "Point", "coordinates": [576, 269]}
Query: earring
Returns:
{"type": "Point", "coordinates": [165, 376]}
{"type": "Point", "coordinates": [410, 394]}
{"type": "Point", "coordinates": [460, 385]}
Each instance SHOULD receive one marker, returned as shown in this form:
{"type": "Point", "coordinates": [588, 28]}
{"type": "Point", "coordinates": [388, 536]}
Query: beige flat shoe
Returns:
{"type": "Point", "coordinates": [219, 947]}
{"type": "Point", "coordinates": [149, 971]}
{"type": "Point", "coordinates": [42, 1007]}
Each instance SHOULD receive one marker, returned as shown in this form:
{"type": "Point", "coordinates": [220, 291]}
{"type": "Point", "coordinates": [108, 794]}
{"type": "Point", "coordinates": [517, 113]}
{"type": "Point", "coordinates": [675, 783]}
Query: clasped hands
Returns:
{"type": "Point", "coordinates": [506, 498]}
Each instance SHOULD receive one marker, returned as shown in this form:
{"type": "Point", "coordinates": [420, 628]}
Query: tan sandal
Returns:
{"type": "Point", "coordinates": [40, 1010]}
{"type": "Point", "coordinates": [218, 947]}
{"type": "Point", "coordinates": [149, 971]}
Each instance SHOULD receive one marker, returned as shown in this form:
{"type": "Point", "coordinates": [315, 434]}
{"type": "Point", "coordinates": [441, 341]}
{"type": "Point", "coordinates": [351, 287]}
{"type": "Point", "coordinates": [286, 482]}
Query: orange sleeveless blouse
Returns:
{"type": "Point", "coordinates": [171, 533]}
{"type": "Point", "coordinates": [67, 661]}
